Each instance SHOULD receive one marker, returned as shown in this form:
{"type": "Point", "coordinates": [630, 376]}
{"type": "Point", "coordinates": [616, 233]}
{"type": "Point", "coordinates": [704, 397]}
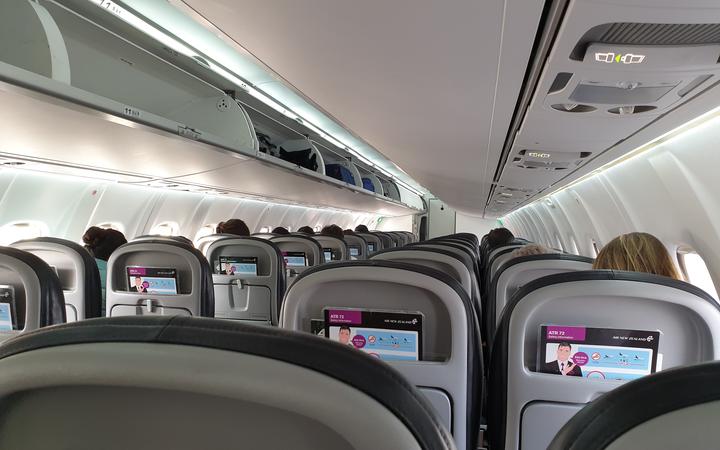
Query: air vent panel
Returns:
{"type": "Point", "coordinates": [630, 33]}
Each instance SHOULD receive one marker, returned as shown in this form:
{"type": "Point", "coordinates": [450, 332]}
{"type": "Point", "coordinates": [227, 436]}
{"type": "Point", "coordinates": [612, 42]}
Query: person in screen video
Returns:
{"type": "Point", "coordinates": [138, 287]}
{"type": "Point", "coordinates": [562, 365]}
{"type": "Point", "coordinates": [230, 270]}
{"type": "Point", "coordinates": [344, 335]}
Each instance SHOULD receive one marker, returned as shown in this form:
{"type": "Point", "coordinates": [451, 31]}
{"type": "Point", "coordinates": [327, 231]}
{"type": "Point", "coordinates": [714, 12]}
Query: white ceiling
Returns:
{"type": "Point", "coordinates": [417, 79]}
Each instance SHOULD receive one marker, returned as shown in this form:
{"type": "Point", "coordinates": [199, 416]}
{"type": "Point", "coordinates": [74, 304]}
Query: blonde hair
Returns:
{"type": "Point", "coordinates": [531, 249]}
{"type": "Point", "coordinates": [637, 252]}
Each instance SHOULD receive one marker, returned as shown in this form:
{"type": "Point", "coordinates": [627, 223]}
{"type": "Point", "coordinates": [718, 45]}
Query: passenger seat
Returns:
{"type": "Point", "coordinates": [186, 383]}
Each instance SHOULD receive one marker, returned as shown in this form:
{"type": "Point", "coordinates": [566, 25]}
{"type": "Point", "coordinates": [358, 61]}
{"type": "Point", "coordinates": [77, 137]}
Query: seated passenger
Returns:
{"type": "Point", "coordinates": [306, 230]}
{"type": "Point", "coordinates": [499, 237]}
{"type": "Point", "coordinates": [637, 252]}
{"type": "Point", "coordinates": [233, 226]}
{"type": "Point", "coordinates": [531, 249]}
{"type": "Point", "coordinates": [101, 242]}
{"type": "Point", "coordinates": [280, 230]}
{"type": "Point", "coordinates": [361, 229]}
{"type": "Point", "coordinates": [348, 231]}
{"type": "Point", "coordinates": [333, 230]}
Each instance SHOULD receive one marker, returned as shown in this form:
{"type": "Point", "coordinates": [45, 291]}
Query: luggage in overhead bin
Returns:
{"type": "Point", "coordinates": [265, 144]}
{"type": "Point", "coordinates": [339, 172]}
{"type": "Point", "coordinates": [303, 158]}
{"type": "Point", "coordinates": [368, 184]}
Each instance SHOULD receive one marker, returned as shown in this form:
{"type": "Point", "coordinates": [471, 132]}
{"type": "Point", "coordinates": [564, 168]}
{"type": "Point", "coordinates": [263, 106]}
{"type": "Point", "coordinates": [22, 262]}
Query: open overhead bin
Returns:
{"type": "Point", "coordinates": [81, 95]}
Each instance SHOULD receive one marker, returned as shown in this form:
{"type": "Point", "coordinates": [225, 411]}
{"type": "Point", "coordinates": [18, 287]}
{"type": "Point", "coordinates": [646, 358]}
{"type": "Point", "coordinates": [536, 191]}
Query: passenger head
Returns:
{"type": "Point", "coordinates": [361, 229]}
{"type": "Point", "coordinates": [233, 226]}
{"type": "Point", "coordinates": [637, 252]}
{"type": "Point", "coordinates": [306, 229]}
{"type": "Point", "coordinates": [348, 231]}
{"type": "Point", "coordinates": [101, 242]}
{"type": "Point", "coordinates": [531, 249]}
{"type": "Point", "coordinates": [563, 351]}
{"type": "Point", "coordinates": [333, 230]}
{"type": "Point", "coordinates": [280, 230]}
{"type": "Point", "coordinates": [499, 236]}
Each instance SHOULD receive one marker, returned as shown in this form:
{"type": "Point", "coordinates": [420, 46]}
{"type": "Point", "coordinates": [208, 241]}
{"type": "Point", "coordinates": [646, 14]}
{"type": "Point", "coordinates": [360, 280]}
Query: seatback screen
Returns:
{"type": "Point", "coordinates": [237, 265]}
{"type": "Point", "coordinates": [371, 246]}
{"type": "Point", "coordinates": [387, 335]}
{"type": "Point", "coordinates": [8, 319]}
{"type": "Point", "coordinates": [354, 251]}
{"type": "Point", "coordinates": [599, 353]}
{"type": "Point", "coordinates": [152, 280]}
{"type": "Point", "coordinates": [327, 252]}
{"type": "Point", "coordinates": [295, 259]}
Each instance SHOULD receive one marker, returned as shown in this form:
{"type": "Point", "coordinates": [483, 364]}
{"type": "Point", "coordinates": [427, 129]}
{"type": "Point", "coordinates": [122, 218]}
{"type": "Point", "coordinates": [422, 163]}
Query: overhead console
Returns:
{"type": "Point", "coordinates": [80, 88]}
{"type": "Point", "coordinates": [612, 70]}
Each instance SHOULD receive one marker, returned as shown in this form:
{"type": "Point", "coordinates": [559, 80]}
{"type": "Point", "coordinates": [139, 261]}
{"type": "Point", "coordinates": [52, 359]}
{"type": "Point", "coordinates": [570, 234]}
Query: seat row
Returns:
{"type": "Point", "coordinates": [436, 285]}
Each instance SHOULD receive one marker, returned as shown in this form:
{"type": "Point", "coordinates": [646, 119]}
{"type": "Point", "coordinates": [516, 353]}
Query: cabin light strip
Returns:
{"type": "Point", "coordinates": [641, 150]}
{"type": "Point", "coordinates": [147, 28]}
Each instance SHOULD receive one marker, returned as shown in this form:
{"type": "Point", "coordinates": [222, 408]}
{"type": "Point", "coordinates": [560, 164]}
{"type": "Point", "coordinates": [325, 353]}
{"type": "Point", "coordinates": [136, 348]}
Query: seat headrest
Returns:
{"type": "Point", "coordinates": [363, 373]}
{"type": "Point", "coordinates": [91, 273]}
{"type": "Point", "coordinates": [602, 422]}
{"type": "Point", "coordinates": [52, 301]}
{"type": "Point", "coordinates": [617, 275]}
{"type": "Point", "coordinates": [544, 257]}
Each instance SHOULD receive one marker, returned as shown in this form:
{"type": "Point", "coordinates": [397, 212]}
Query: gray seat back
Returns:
{"type": "Point", "coordinates": [517, 272]}
{"type": "Point", "coordinates": [299, 244]}
{"type": "Point", "coordinates": [357, 247]}
{"type": "Point", "coordinates": [374, 242]}
{"type": "Point", "coordinates": [195, 296]}
{"type": "Point", "coordinates": [31, 290]}
{"type": "Point", "coordinates": [269, 388]}
{"type": "Point", "coordinates": [248, 297]}
{"type": "Point", "coordinates": [334, 247]}
{"type": "Point", "coordinates": [387, 241]}
{"type": "Point", "coordinates": [449, 371]}
{"type": "Point", "coordinates": [527, 408]}
{"type": "Point", "coordinates": [77, 271]}
{"type": "Point", "coordinates": [677, 408]}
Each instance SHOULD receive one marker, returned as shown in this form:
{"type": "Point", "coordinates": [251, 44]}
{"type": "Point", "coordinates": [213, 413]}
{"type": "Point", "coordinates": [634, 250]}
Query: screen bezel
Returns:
{"type": "Point", "coordinates": [128, 276]}
{"type": "Point", "coordinates": [421, 333]}
{"type": "Point", "coordinates": [296, 255]}
{"type": "Point", "coordinates": [219, 270]}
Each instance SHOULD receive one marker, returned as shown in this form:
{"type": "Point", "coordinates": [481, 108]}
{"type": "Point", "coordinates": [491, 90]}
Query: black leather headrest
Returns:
{"type": "Point", "coordinates": [52, 300]}
{"type": "Point", "coordinates": [604, 420]}
{"type": "Point", "coordinates": [91, 274]}
{"type": "Point", "coordinates": [364, 373]}
{"type": "Point", "coordinates": [207, 290]}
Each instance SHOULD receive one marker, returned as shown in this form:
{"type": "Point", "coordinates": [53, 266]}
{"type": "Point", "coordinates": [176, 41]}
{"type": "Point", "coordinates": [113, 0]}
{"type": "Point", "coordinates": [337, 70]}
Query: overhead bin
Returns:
{"type": "Point", "coordinates": [106, 105]}
{"type": "Point", "coordinates": [371, 182]}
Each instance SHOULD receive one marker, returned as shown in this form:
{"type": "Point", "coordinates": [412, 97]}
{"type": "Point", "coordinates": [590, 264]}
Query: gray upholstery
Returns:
{"type": "Point", "coordinates": [39, 300]}
{"type": "Point", "coordinates": [77, 271]}
{"type": "Point", "coordinates": [532, 406]}
{"type": "Point", "coordinates": [450, 371]}
{"type": "Point", "coordinates": [676, 408]}
{"type": "Point", "coordinates": [358, 242]}
{"type": "Point", "coordinates": [189, 383]}
{"type": "Point", "coordinates": [372, 238]}
{"type": "Point", "coordinates": [245, 297]}
{"type": "Point", "coordinates": [519, 271]}
{"type": "Point", "coordinates": [338, 247]}
{"type": "Point", "coordinates": [194, 285]}
{"type": "Point", "coordinates": [296, 243]}
{"type": "Point", "coordinates": [387, 241]}
{"type": "Point", "coordinates": [204, 242]}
